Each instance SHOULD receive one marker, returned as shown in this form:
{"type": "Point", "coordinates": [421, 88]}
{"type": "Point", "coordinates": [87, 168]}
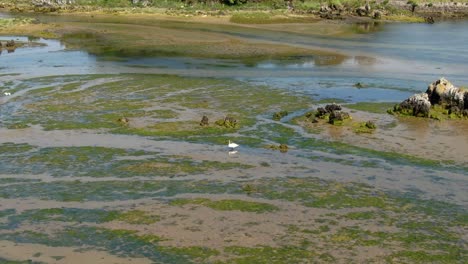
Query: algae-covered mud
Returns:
{"type": "Point", "coordinates": [109, 154]}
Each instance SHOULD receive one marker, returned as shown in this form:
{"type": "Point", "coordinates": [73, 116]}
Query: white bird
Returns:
{"type": "Point", "coordinates": [7, 93]}
{"type": "Point", "coordinates": [232, 145]}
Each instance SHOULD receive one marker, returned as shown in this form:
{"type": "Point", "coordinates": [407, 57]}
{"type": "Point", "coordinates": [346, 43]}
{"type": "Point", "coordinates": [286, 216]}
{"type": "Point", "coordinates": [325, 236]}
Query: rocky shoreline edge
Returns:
{"type": "Point", "coordinates": [395, 10]}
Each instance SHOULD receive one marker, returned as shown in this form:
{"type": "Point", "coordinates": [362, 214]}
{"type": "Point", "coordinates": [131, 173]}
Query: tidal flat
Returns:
{"type": "Point", "coordinates": [103, 157]}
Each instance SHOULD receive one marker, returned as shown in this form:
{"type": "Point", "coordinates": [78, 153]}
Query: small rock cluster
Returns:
{"type": "Point", "coordinates": [283, 148]}
{"type": "Point", "coordinates": [332, 111]}
{"type": "Point", "coordinates": [453, 100]}
{"type": "Point", "coordinates": [278, 115]}
{"type": "Point", "coordinates": [227, 122]}
{"type": "Point", "coordinates": [336, 11]}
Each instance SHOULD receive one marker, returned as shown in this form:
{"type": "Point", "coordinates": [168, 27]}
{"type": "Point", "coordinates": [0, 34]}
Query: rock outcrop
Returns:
{"type": "Point", "coordinates": [42, 3]}
{"type": "Point", "coordinates": [415, 105]}
{"type": "Point", "coordinates": [442, 94]}
{"type": "Point", "coordinates": [333, 112]}
{"type": "Point", "coordinates": [204, 121]}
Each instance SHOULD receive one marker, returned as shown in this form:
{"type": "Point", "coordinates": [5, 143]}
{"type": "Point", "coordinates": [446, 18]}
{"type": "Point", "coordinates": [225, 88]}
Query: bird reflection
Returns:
{"type": "Point", "coordinates": [232, 152]}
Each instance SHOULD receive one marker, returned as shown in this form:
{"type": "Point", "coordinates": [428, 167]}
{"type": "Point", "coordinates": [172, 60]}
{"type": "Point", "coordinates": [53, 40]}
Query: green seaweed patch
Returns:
{"type": "Point", "coordinates": [437, 112]}
{"type": "Point", "coordinates": [281, 147]}
{"type": "Point", "coordinates": [364, 127]}
{"type": "Point", "coordinates": [341, 148]}
{"type": "Point", "coordinates": [362, 215]}
{"type": "Point", "coordinates": [195, 253]}
{"type": "Point", "coordinates": [120, 242]}
{"type": "Point", "coordinates": [267, 18]}
{"type": "Point", "coordinates": [9, 261]}
{"type": "Point", "coordinates": [18, 125]}
{"type": "Point", "coordinates": [420, 256]}
{"type": "Point", "coordinates": [12, 148]}
{"type": "Point", "coordinates": [136, 217]}
{"type": "Point", "coordinates": [103, 162]}
{"type": "Point", "coordinates": [378, 108]}
{"type": "Point", "coordinates": [355, 236]}
{"type": "Point", "coordinates": [7, 212]}
{"type": "Point", "coordinates": [278, 115]}
{"type": "Point", "coordinates": [114, 190]}
{"type": "Point", "coordinates": [80, 216]}
{"type": "Point", "coordinates": [273, 132]}
{"type": "Point", "coordinates": [176, 129]}
{"type": "Point", "coordinates": [228, 205]}
{"type": "Point", "coordinates": [266, 254]}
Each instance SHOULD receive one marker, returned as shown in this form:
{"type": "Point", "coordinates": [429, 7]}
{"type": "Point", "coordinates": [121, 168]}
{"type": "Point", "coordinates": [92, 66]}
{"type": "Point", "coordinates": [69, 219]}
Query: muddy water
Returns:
{"type": "Point", "coordinates": [393, 61]}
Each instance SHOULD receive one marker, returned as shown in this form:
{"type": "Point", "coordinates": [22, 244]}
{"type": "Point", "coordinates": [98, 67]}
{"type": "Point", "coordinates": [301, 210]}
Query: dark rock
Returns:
{"type": "Point", "coordinates": [123, 120]}
{"type": "Point", "coordinates": [429, 20]}
{"type": "Point", "coordinates": [324, 9]}
{"type": "Point", "coordinates": [204, 121]}
{"type": "Point", "coordinates": [367, 7]}
{"type": "Point", "coordinates": [465, 99]}
{"type": "Point", "coordinates": [443, 92]}
{"type": "Point", "coordinates": [283, 148]}
{"type": "Point", "coordinates": [333, 107]}
{"type": "Point", "coordinates": [337, 116]}
{"type": "Point", "coordinates": [465, 113]}
{"type": "Point", "coordinates": [228, 122]}
{"type": "Point", "coordinates": [359, 85]}
{"type": "Point", "coordinates": [361, 11]}
{"type": "Point", "coordinates": [10, 44]}
{"type": "Point", "coordinates": [416, 105]}
{"type": "Point", "coordinates": [371, 125]}
{"type": "Point", "coordinates": [278, 115]}
{"type": "Point", "coordinates": [321, 112]}
{"type": "Point", "coordinates": [454, 110]}
{"type": "Point", "coordinates": [377, 14]}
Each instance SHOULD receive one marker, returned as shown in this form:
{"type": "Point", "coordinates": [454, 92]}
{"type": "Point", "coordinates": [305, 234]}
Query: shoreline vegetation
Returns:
{"type": "Point", "coordinates": [255, 11]}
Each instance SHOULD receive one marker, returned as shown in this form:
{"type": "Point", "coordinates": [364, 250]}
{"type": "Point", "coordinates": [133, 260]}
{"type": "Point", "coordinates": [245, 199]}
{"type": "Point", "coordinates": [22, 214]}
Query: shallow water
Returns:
{"type": "Point", "coordinates": [393, 62]}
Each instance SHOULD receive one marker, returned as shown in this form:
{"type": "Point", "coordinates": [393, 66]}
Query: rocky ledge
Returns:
{"type": "Point", "coordinates": [441, 99]}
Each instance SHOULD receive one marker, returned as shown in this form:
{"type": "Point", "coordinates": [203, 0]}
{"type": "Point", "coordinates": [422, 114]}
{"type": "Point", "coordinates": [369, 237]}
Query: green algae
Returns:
{"type": "Point", "coordinates": [9, 261]}
{"type": "Point", "coordinates": [123, 243]}
{"type": "Point", "coordinates": [361, 215]}
{"type": "Point", "coordinates": [387, 209]}
{"type": "Point", "coordinates": [110, 97]}
{"type": "Point", "coordinates": [103, 162]}
{"type": "Point", "coordinates": [228, 205]}
{"type": "Point", "coordinates": [77, 215]}
{"type": "Point", "coordinates": [364, 127]}
{"type": "Point", "coordinates": [426, 257]}
{"type": "Point", "coordinates": [389, 157]}
{"type": "Point", "coordinates": [195, 253]}
{"type": "Point", "coordinates": [266, 254]}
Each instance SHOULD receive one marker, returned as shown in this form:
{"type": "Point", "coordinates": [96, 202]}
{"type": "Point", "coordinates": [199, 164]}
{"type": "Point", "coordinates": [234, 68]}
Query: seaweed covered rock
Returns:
{"type": "Point", "coordinates": [228, 122]}
{"type": "Point", "coordinates": [10, 44]}
{"type": "Point", "coordinates": [333, 107]}
{"type": "Point", "coordinates": [332, 111]}
{"type": "Point", "coordinates": [443, 92]}
{"type": "Point", "coordinates": [204, 121]}
{"type": "Point", "coordinates": [370, 125]}
{"type": "Point", "coordinates": [440, 98]}
{"type": "Point", "coordinates": [322, 112]}
{"type": "Point", "coordinates": [365, 127]}
{"type": "Point", "coordinates": [278, 115]}
{"type": "Point", "coordinates": [336, 117]}
{"type": "Point", "coordinates": [281, 147]}
{"type": "Point", "coordinates": [415, 105]}
{"type": "Point", "coordinates": [123, 120]}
